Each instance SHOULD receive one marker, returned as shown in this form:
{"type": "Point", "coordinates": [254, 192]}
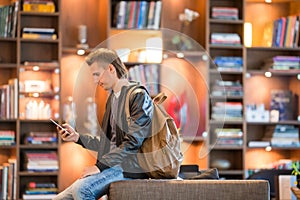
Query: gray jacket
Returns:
{"type": "Point", "coordinates": [129, 138]}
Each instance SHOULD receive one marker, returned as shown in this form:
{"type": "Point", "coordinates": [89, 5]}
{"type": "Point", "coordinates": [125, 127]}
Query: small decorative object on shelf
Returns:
{"type": "Point", "coordinates": [296, 172]}
{"type": "Point", "coordinates": [185, 18]}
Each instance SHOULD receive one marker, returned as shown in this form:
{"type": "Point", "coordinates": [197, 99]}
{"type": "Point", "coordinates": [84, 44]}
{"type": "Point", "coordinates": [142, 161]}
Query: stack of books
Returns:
{"type": "Point", "coordinates": [225, 13]}
{"type": "Point", "coordinates": [285, 136]}
{"type": "Point", "coordinates": [41, 161]}
{"type": "Point", "coordinates": [8, 19]}
{"type": "Point", "coordinates": [36, 190]}
{"type": "Point", "coordinates": [229, 136]}
{"type": "Point", "coordinates": [137, 14]}
{"type": "Point", "coordinates": [282, 62]}
{"type": "Point", "coordinates": [41, 138]}
{"type": "Point", "coordinates": [7, 137]}
{"type": "Point", "coordinates": [147, 75]}
{"type": "Point", "coordinates": [39, 6]}
{"type": "Point", "coordinates": [227, 88]}
{"type": "Point", "coordinates": [229, 63]}
{"type": "Point", "coordinates": [231, 111]}
{"type": "Point", "coordinates": [226, 39]}
{"type": "Point", "coordinates": [39, 33]}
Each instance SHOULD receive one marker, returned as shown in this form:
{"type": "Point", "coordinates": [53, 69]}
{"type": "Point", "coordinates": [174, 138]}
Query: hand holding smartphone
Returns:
{"type": "Point", "coordinates": [60, 127]}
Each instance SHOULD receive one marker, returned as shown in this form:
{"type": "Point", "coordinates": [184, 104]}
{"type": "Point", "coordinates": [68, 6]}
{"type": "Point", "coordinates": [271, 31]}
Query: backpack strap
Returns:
{"type": "Point", "coordinates": [160, 98]}
{"type": "Point", "coordinates": [127, 112]}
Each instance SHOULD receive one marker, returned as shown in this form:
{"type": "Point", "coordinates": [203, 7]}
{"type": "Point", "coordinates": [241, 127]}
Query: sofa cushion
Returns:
{"type": "Point", "coordinates": [189, 189]}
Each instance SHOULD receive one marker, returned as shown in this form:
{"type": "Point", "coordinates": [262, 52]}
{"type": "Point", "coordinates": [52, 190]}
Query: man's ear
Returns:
{"type": "Point", "coordinates": [111, 68]}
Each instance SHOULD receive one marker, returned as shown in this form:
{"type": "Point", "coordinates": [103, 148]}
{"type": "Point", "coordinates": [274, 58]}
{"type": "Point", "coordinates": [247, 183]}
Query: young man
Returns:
{"type": "Point", "coordinates": [119, 142]}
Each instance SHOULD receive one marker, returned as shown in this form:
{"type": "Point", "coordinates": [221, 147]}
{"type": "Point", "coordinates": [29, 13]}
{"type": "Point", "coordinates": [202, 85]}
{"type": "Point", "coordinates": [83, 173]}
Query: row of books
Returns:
{"type": "Point", "coordinates": [40, 190]}
{"type": "Point", "coordinates": [137, 14]}
{"type": "Point", "coordinates": [9, 99]}
{"type": "Point", "coordinates": [222, 88]}
{"type": "Point", "coordinates": [39, 6]}
{"type": "Point", "coordinates": [225, 39]}
{"type": "Point", "coordinates": [40, 161]}
{"type": "Point", "coordinates": [282, 62]}
{"type": "Point", "coordinates": [278, 136]}
{"type": "Point", "coordinates": [229, 136]}
{"type": "Point", "coordinates": [8, 19]}
{"type": "Point", "coordinates": [147, 75]}
{"type": "Point", "coordinates": [282, 32]}
{"type": "Point", "coordinates": [39, 33]}
{"type": "Point", "coordinates": [228, 111]}
{"type": "Point", "coordinates": [41, 138]}
{"type": "Point", "coordinates": [7, 137]}
{"type": "Point", "coordinates": [8, 179]}
{"type": "Point", "coordinates": [224, 13]}
{"type": "Point", "coordinates": [229, 63]}
{"type": "Point", "coordinates": [285, 136]}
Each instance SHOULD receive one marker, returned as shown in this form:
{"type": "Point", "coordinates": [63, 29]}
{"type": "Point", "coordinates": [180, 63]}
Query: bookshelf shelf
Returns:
{"type": "Point", "coordinates": [233, 122]}
{"type": "Point", "coordinates": [39, 41]}
{"type": "Point", "coordinates": [226, 147]}
{"type": "Point", "coordinates": [215, 46]}
{"type": "Point", "coordinates": [26, 173]}
{"type": "Point", "coordinates": [39, 146]}
{"type": "Point", "coordinates": [41, 14]}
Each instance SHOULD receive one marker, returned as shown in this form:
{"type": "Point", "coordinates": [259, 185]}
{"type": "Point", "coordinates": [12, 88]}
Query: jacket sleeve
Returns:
{"type": "Point", "coordinates": [141, 110]}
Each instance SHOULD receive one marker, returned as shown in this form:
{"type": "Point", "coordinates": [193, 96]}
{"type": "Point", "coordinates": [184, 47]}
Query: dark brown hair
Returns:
{"type": "Point", "coordinates": [104, 57]}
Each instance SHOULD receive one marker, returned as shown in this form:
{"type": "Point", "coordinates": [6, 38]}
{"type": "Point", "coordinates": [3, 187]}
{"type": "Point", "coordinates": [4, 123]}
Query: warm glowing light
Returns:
{"type": "Point", "coordinates": [80, 52]}
{"type": "Point", "coordinates": [36, 68]}
{"type": "Point", "coordinates": [268, 74]}
{"type": "Point", "coordinates": [268, 148]}
{"type": "Point", "coordinates": [154, 50]}
{"type": "Point", "coordinates": [35, 94]}
{"type": "Point", "coordinates": [298, 76]}
{"type": "Point", "coordinates": [247, 34]}
{"type": "Point", "coordinates": [268, 1]}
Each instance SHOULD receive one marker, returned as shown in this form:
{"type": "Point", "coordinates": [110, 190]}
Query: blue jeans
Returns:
{"type": "Point", "coordinates": [92, 187]}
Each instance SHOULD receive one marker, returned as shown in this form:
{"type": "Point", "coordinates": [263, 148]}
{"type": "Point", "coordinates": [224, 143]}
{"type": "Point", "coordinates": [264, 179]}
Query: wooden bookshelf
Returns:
{"type": "Point", "coordinates": [17, 51]}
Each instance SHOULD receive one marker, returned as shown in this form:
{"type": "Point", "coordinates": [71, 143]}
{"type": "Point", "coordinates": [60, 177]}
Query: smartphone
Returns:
{"type": "Point", "coordinates": [59, 126]}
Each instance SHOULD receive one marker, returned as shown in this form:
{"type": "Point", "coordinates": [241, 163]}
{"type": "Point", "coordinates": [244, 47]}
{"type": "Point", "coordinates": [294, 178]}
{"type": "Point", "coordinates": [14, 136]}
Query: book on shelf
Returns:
{"type": "Point", "coordinates": [8, 174]}
{"type": "Point", "coordinates": [9, 99]}
{"type": "Point", "coordinates": [285, 136]}
{"type": "Point", "coordinates": [229, 63]}
{"type": "Point", "coordinates": [231, 111]}
{"type": "Point", "coordinates": [41, 138]}
{"type": "Point", "coordinates": [227, 13]}
{"type": "Point", "coordinates": [34, 189]}
{"type": "Point", "coordinates": [8, 20]}
{"type": "Point", "coordinates": [38, 6]}
{"type": "Point", "coordinates": [38, 161]}
{"type": "Point", "coordinates": [137, 14]}
{"type": "Point", "coordinates": [227, 88]}
{"type": "Point", "coordinates": [229, 136]}
{"type": "Point", "coordinates": [282, 62]}
{"type": "Point", "coordinates": [258, 143]}
{"type": "Point", "coordinates": [38, 196]}
{"type": "Point", "coordinates": [147, 75]}
{"type": "Point", "coordinates": [283, 101]}
{"type": "Point", "coordinates": [7, 137]}
{"type": "Point", "coordinates": [282, 32]}
{"type": "Point", "coordinates": [39, 33]}
{"type": "Point", "coordinates": [225, 39]}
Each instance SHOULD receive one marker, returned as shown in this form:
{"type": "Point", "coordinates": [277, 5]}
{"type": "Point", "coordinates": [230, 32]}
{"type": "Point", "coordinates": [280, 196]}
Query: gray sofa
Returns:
{"type": "Point", "coordinates": [189, 189]}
